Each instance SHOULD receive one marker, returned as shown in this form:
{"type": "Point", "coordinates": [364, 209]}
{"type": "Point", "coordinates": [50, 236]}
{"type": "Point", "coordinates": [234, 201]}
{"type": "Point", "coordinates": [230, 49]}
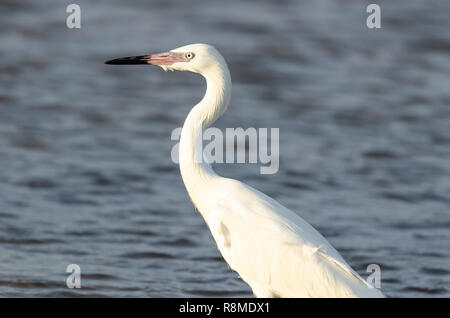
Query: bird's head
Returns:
{"type": "Point", "coordinates": [197, 58]}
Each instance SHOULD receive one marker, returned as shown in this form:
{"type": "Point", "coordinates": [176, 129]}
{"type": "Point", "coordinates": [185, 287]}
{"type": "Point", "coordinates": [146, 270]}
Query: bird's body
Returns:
{"type": "Point", "coordinates": [272, 248]}
{"type": "Point", "coordinates": [275, 251]}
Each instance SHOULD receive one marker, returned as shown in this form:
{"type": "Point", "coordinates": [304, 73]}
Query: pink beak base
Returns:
{"type": "Point", "coordinates": [166, 58]}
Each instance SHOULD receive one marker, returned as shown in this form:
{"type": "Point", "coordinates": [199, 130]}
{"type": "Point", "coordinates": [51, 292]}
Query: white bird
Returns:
{"type": "Point", "coordinates": [273, 249]}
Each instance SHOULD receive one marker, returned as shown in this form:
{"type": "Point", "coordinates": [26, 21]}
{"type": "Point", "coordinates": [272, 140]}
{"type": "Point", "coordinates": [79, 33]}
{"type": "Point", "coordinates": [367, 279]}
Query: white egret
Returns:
{"type": "Point", "coordinates": [272, 248]}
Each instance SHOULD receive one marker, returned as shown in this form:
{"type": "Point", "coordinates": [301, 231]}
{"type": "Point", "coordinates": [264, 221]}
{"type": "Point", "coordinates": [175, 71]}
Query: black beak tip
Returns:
{"type": "Point", "coordinates": [113, 62]}
{"type": "Point", "coordinates": [128, 60]}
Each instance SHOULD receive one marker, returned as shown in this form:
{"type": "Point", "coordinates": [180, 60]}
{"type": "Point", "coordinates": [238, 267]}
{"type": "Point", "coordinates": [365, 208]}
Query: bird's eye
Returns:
{"type": "Point", "coordinates": [189, 55]}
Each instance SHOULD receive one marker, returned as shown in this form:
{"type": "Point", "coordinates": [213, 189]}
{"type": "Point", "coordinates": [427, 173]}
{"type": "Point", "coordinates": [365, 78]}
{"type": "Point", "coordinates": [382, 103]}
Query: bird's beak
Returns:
{"type": "Point", "coordinates": [166, 58]}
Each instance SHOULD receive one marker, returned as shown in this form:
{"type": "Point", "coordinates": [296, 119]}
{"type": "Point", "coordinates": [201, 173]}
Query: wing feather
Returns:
{"type": "Point", "coordinates": [274, 248]}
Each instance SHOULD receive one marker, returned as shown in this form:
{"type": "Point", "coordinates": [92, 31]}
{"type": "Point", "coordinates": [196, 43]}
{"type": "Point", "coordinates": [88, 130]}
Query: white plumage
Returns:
{"type": "Point", "coordinates": [272, 248]}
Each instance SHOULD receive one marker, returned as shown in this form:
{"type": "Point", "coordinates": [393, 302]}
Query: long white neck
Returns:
{"type": "Point", "coordinates": [198, 176]}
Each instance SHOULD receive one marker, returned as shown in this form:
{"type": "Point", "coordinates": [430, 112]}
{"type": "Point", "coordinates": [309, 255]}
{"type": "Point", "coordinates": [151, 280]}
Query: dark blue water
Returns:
{"type": "Point", "coordinates": [86, 175]}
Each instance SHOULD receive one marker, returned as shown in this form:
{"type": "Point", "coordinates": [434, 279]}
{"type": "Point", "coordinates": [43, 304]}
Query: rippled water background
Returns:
{"type": "Point", "coordinates": [86, 176]}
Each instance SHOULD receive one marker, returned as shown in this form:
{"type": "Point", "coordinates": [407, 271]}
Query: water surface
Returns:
{"type": "Point", "coordinates": [86, 178]}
